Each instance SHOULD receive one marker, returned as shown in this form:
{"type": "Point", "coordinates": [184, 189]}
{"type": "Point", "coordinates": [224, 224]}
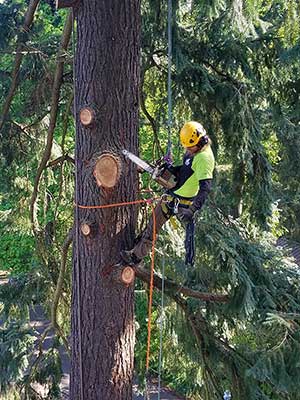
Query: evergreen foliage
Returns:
{"type": "Point", "coordinates": [236, 69]}
{"type": "Point", "coordinates": [16, 343]}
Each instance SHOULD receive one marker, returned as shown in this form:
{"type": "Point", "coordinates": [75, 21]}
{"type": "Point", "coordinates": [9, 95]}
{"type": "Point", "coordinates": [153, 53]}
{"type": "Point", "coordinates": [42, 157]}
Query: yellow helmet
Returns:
{"type": "Point", "coordinates": [191, 133]}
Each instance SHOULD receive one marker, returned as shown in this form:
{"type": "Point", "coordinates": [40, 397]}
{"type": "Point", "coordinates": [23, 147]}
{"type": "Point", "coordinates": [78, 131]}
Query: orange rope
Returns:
{"type": "Point", "coordinates": [147, 201]}
{"type": "Point", "coordinates": [151, 288]}
{"type": "Point", "coordinates": [128, 203]}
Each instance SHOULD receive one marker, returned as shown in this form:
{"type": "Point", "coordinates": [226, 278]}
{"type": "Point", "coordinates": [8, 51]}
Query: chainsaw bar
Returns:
{"type": "Point", "coordinates": [163, 177]}
{"type": "Point", "coordinates": [141, 163]}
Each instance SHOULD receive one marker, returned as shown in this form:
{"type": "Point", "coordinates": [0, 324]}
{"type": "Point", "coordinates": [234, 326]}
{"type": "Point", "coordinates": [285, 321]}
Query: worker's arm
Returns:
{"type": "Point", "coordinates": [187, 214]}
{"type": "Point", "coordinates": [174, 170]}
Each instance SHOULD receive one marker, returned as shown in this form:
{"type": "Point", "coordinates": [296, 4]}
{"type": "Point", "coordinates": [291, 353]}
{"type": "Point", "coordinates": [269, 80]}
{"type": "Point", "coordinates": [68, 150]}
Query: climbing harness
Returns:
{"type": "Point", "coordinates": [168, 198]}
{"type": "Point", "coordinates": [170, 206]}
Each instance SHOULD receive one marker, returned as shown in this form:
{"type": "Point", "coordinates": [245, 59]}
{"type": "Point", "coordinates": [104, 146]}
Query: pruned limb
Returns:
{"type": "Point", "coordinates": [176, 288]}
{"type": "Point", "coordinates": [87, 116]}
{"type": "Point", "coordinates": [89, 228]}
{"type": "Point", "coordinates": [53, 114]}
{"type": "Point", "coordinates": [107, 170]}
{"type": "Point", "coordinates": [123, 275]}
{"type": "Point", "coordinates": [18, 59]}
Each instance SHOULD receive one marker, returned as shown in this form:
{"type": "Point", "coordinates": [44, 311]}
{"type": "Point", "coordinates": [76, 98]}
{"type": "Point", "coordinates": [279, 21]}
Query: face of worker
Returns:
{"type": "Point", "coordinates": [192, 150]}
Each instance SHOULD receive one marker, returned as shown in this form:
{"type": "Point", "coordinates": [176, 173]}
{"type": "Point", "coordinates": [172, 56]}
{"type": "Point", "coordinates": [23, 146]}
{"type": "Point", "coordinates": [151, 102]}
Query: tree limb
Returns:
{"type": "Point", "coordinates": [150, 118]}
{"type": "Point", "coordinates": [59, 286]}
{"type": "Point", "coordinates": [176, 288]}
{"type": "Point", "coordinates": [37, 120]}
{"type": "Point", "coordinates": [59, 160]}
{"type": "Point", "coordinates": [53, 114]}
{"type": "Point", "coordinates": [18, 59]}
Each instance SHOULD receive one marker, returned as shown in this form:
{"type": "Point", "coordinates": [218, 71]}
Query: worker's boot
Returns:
{"type": "Point", "coordinates": [129, 257]}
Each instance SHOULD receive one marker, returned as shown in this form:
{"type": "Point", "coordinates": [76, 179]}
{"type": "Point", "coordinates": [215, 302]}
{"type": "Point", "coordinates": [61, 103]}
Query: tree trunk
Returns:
{"type": "Point", "coordinates": [106, 85]}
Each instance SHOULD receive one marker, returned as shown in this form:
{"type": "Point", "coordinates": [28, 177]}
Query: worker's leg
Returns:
{"type": "Point", "coordinates": [142, 248]}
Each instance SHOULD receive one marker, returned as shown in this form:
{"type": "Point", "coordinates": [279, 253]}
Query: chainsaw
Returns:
{"type": "Point", "coordinates": [159, 172]}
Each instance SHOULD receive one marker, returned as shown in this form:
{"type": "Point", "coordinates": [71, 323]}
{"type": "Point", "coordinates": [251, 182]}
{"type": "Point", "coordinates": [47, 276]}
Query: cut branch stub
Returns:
{"type": "Point", "coordinates": [127, 275]}
{"type": "Point", "coordinates": [66, 3]}
{"type": "Point", "coordinates": [107, 170]}
{"type": "Point", "coordinates": [87, 116]}
{"type": "Point", "coordinates": [124, 275]}
{"type": "Point", "coordinates": [88, 229]}
{"type": "Point", "coordinates": [85, 229]}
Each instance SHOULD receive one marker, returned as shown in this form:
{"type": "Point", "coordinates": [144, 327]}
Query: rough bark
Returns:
{"type": "Point", "coordinates": [66, 3]}
{"type": "Point", "coordinates": [106, 79]}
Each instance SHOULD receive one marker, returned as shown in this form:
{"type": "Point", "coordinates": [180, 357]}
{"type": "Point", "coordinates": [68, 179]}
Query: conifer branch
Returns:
{"type": "Point", "coordinates": [64, 156]}
{"type": "Point", "coordinates": [146, 112]}
{"type": "Point", "coordinates": [37, 120]}
{"type": "Point", "coordinates": [58, 78]}
{"type": "Point", "coordinates": [35, 363]}
{"type": "Point", "coordinates": [54, 324]}
{"type": "Point", "coordinates": [18, 59]}
{"type": "Point", "coordinates": [22, 129]}
{"type": "Point", "coordinates": [60, 160]}
{"type": "Point", "coordinates": [175, 288]}
{"type": "Point", "coordinates": [59, 286]}
{"type": "Point", "coordinates": [240, 86]}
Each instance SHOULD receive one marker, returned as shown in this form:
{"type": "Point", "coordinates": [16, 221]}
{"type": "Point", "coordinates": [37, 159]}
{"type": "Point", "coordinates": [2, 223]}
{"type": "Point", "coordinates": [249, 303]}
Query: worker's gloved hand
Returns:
{"type": "Point", "coordinates": [162, 168]}
{"type": "Point", "coordinates": [186, 215]}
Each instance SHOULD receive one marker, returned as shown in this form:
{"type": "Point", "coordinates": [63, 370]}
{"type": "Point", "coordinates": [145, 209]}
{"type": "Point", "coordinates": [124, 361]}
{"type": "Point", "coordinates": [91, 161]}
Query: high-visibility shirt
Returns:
{"type": "Point", "coordinates": [195, 168]}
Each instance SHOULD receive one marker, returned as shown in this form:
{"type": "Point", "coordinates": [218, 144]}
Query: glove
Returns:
{"type": "Point", "coordinates": [186, 215]}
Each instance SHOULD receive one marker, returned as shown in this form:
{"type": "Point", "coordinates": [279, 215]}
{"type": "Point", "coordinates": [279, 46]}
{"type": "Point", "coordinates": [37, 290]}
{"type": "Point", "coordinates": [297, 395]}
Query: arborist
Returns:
{"type": "Point", "coordinates": [193, 184]}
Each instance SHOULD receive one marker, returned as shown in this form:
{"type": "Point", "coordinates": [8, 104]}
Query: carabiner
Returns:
{"type": "Point", "coordinates": [164, 198]}
{"type": "Point", "coordinates": [176, 204]}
